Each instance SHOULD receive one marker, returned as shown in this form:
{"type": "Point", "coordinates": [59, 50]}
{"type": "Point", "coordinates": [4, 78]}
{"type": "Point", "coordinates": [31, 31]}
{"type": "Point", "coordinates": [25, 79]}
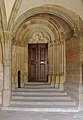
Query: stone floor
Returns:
{"type": "Point", "coordinates": [8, 115]}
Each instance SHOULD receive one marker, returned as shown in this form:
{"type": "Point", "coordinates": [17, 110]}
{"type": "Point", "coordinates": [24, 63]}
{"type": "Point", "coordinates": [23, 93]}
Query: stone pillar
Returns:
{"type": "Point", "coordinates": [13, 65]}
{"type": "Point", "coordinates": [57, 64]}
{"type": "Point", "coordinates": [25, 65]}
{"type": "Point", "coordinates": [7, 85]}
{"type": "Point", "coordinates": [50, 63]}
{"type": "Point", "coordinates": [1, 82]}
{"type": "Point", "coordinates": [53, 64]}
{"type": "Point", "coordinates": [57, 47]}
{"type": "Point", "coordinates": [7, 70]}
{"type": "Point", "coordinates": [63, 58]}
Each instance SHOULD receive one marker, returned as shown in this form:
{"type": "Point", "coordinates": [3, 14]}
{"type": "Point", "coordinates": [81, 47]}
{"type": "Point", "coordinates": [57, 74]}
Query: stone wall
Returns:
{"type": "Point", "coordinates": [19, 62]}
{"type": "Point", "coordinates": [81, 66]}
{"type": "Point", "coordinates": [73, 67]}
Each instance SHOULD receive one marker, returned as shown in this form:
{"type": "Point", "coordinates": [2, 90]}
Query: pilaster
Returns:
{"type": "Point", "coordinates": [7, 69]}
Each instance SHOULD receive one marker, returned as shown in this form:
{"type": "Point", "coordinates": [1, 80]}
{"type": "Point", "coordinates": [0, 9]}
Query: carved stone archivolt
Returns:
{"type": "Point", "coordinates": [47, 24]}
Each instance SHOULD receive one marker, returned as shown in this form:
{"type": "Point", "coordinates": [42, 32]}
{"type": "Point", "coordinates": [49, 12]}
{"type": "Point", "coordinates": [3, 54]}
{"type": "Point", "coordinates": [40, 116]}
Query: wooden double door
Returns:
{"type": "Point", "coordinates": [37, 62]}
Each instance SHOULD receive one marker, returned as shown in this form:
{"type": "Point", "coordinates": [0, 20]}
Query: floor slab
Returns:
{"type": "Point", "coordinates": [9, 115]}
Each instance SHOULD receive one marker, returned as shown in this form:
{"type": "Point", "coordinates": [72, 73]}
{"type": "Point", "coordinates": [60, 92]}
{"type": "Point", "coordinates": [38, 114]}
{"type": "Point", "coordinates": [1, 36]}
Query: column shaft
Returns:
{"type": "Point", "coordinates": [7, 70]}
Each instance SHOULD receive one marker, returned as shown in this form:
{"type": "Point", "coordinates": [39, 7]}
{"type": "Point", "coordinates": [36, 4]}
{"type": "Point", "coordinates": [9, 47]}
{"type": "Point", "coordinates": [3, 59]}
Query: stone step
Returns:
{"type": "Point", "coordinates": [37, 89]}
{"type": "Point", "coordinates": [41, 97]}
{"type": "Point", "coordinates": [19, 102]}
{"type": "Point", "coordinates": [41, 86]}
{"type": "Point", "coordinates": [43, 100]}
{"type": "Point", "coordinates": [38, 93]}
{"type": "Point", "coordinates": [43, 106]}
{"type": "Point", "coordinates": [36, 83]}
{"type": "Point", "coordinates": [34, 109]}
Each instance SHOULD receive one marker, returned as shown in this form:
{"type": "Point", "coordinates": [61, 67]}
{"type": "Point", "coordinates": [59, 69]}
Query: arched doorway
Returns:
{"type": "Point", "coordinates": [40, 29]}
{"type": "Point", "coordinates": [60, 32]}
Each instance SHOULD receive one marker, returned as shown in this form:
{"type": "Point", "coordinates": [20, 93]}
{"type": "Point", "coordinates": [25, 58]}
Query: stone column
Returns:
{"type": "Point", "coordinates": [13, 69]}
{"type": "Point", "coordinates": [26, 65]}
{"type": "Point", "coordinates": [53, 64]}
{"type": "Point", "coordinates": [62, 59]}
{"type": "Point", "coordinates": [1, 82]}
{"type": "Point", "coordinates": [57, 47]}
{"type": "Point", "coordinates": [7, 69]}
{"type": "Point", "coordinates": [50, 63]}
{"type": "Point", "coordinates": [61, 64]}
{"type": "Point", "coordinates": [58, 62]}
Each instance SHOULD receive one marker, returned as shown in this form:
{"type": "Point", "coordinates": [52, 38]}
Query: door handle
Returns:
{"type": "Point", "coordinates": [42, 62]}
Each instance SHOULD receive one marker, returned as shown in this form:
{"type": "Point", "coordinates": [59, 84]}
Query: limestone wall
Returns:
{"type": "Point", "coordinates": [81, 67]}
{"type": "Point", "coordinates": [19, 62]}
{"type": "Point", "coordinates": [73, 67]}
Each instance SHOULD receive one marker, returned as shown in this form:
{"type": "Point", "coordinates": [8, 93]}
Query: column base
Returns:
{"type": "Point", "coordinates": [52, 85]}
{"type": "Point", "coordinates": [56, 85]}
{"type": "Point", "coordinates": [61, 86]}
{"type": "Point", "coordinates": [53, 81]}
{"type": "Point", "coordinates": [6, 97]}
{"type": "Point", "coordinates": [13, 86]}
{"type": "Point", "coordinates": [22, 84]}
{"type": "Point", "coordinates": [49, 79]}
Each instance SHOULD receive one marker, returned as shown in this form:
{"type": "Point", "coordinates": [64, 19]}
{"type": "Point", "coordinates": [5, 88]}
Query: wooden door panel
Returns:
{"type": "Point", "coordinates": [37, 62]}
{"type": "Point", "coordinates": [42, 53]}
{"type": "Point", "coordinates": [33, 72]}
{"type": "Point", "coordinates": [42, 62]}
{"type": "Point", "coordinates": [42, 72]}
{"type": "Point", "coordinates": [32, 52]}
